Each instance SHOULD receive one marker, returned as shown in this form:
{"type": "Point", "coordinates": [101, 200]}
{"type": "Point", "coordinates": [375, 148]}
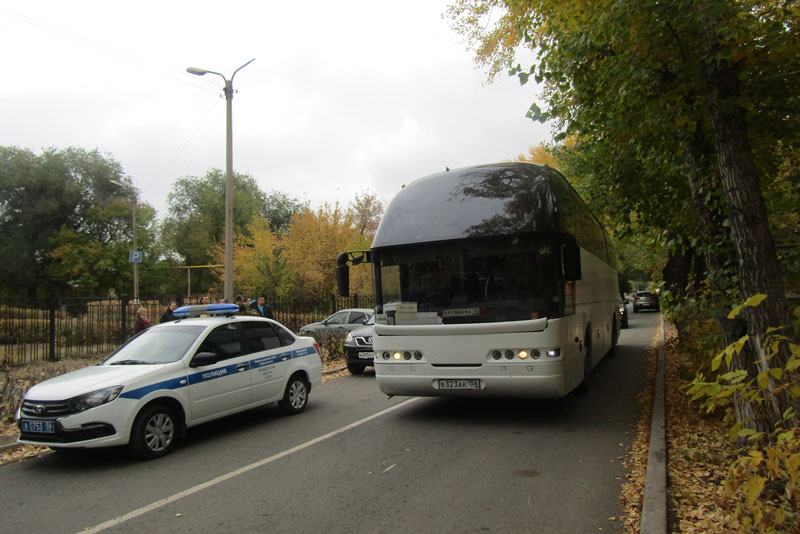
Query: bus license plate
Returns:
{"type": "Point", "coordinates": [366, 355]}
{"type": "Point", "coordinates": [459, 383]}
{"type": "Point", "coordinates": [40, 427]}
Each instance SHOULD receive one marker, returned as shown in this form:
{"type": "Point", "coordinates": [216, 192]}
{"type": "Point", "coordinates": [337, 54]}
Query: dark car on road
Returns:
{"type": "Point", "coordinates": [623, 312]}
{"type": "Point", "coordinates": [358, 348]}
{"type": "Point", "coordinates": [645, 300]}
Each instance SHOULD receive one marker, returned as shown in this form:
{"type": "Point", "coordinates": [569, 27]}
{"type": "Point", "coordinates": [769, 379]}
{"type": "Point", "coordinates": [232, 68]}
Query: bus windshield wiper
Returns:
{"type": "Point", "coordinates": [130, 362]}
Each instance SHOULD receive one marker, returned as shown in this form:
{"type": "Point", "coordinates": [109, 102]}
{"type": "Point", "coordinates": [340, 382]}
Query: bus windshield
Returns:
{"type": "Point", "coordinates": [477, 281]}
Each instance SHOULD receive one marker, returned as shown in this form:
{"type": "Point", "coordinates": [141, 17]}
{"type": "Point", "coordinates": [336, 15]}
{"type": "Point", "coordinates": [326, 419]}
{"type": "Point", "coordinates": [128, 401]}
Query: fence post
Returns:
{"type": "Point", "coordinates": [333, 302]}
{"type": "Point", "coordinates": [355, 300]}
{"type": "Point", "coordinates": [52, 304]}
{"type": "Point", "coordinates": [124, 317]}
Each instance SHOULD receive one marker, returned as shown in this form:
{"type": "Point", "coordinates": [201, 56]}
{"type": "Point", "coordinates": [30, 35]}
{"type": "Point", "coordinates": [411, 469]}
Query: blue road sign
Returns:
{"type": "Point", "coordinates": [135, 256]}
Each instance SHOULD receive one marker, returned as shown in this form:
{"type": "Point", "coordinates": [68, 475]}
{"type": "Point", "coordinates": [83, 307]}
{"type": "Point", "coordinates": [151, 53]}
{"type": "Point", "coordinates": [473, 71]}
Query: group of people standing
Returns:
{"type": "Point", "coordinates": [258, 306]}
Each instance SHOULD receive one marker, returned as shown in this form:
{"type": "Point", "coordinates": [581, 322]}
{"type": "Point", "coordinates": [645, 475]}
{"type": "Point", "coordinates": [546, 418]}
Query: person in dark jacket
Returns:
{"type": "Point", "coordinates": [261, 307]}
{"type": "Point", "coordinates": [167, 315]}
{"type": "Point", "coordinates": [242, 303]}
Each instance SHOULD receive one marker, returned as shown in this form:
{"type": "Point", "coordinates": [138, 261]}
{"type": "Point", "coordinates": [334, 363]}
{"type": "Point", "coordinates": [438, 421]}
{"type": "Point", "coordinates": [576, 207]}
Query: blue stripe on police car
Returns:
{"type": "Point", "coordinates": [212, 374]}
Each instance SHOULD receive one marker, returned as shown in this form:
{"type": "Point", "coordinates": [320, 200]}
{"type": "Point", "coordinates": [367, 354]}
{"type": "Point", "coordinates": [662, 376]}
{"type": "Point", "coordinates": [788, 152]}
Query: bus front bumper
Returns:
{"type": "Point", "coordinates": [537, 379]}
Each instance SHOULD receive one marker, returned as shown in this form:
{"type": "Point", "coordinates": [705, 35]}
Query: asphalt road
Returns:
{"type": "Point", "coordinates": [356, 462]}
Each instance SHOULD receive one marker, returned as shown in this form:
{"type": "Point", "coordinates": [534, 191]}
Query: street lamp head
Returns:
{"type": "Point", "coordinates": [196, 71]}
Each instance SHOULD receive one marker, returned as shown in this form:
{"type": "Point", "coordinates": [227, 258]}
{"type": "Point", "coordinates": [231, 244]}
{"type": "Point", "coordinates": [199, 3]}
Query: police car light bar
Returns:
{"type": "Point", "coordinates": [205, 309]}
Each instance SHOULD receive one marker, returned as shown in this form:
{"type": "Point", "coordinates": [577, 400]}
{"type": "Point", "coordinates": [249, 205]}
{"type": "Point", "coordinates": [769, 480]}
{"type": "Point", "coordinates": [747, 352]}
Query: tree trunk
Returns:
{"type": "Point", "coordinates": [676, 279]}
{"type": "Point", "coordinates": [716, 241]}
{"type": "Point", "coordinates": [758, 262]}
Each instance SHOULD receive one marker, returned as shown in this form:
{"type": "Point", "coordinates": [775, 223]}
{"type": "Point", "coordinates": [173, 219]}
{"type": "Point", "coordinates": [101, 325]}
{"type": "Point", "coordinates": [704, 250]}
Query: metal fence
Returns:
{"type": "Point", "coordinates": [55, 328]}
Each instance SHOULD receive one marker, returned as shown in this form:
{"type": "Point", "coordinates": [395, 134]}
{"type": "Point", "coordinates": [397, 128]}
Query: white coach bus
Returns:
{"type": "Point", "coordinates": [492, 280]}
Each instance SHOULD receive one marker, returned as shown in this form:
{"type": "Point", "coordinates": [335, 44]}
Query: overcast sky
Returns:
{"type": "Point", "coordinates": [342, 96]}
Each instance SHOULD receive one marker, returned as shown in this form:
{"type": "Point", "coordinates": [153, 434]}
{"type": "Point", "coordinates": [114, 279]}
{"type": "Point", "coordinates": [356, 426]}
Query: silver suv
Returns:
{"type": "Point", "coordinates": [341, 322]}
{"type": "Point", "coordinates": [645, 300]}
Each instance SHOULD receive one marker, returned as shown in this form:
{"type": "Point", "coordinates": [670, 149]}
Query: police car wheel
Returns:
{"type": "Point", "coordinates": [295, 397]}
{"type": "Point", "coordinates": [154, 432]}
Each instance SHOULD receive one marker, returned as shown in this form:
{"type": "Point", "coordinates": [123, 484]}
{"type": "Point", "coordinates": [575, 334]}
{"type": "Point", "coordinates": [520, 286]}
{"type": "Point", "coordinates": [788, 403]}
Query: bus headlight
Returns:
{"type": "Point", "coordinates": [522, 354]}
{"type": "Point", "coordinates": [397, 355]}
{"type": "Point", "coordinates": [553, 353]}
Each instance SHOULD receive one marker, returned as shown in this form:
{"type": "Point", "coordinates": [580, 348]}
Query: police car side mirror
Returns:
{"type": "Point", "coordinates": [204, 358]}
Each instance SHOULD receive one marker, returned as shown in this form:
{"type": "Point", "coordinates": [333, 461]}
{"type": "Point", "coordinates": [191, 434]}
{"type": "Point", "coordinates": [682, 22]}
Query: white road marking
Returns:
{"type": "Point", "coordinates": [227, 476]}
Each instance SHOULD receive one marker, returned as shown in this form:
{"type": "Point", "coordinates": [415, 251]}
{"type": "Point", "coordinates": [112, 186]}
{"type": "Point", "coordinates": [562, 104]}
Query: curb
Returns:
{"type": "Point", "coordinates": [4, 447]}
{"type": "Point", "coordinates": [331, 371]}
{"type": "Point", "coordinates": [654, 507]}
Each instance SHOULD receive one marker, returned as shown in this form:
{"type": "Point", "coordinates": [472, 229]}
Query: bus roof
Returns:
{"type": "Point", "coordinates": [490, 200]}
{"type": "Point", "coordinates": [479, 201]}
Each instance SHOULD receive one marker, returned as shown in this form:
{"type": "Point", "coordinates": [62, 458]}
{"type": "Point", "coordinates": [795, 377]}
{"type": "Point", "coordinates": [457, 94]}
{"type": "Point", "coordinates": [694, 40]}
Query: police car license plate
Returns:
{"type": "Point", "coordinates": [459, 383]}
{"type": "Point", "coordinates": [40, 427]}
{"type": "Point", "coordinates": [366, 355]}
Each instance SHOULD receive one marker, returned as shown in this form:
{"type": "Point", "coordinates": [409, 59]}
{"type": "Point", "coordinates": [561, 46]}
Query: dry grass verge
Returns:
{"type": "Point", "coordinates": [698, 454]}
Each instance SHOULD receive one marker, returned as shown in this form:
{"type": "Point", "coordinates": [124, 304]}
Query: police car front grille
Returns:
{"type": "Point", "coordinates": [362, 341]}
{"type": "Point", "coordinates": [33, 408]}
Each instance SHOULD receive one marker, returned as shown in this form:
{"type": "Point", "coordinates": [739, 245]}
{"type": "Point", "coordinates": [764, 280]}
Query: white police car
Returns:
{"type": "Point", "coordinates": [170, 377]}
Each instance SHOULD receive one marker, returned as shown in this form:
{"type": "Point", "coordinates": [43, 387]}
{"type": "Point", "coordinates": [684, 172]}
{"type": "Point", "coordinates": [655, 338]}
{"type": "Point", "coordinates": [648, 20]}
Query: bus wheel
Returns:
{"type": "Point", "coordinates": [355, 369]}
{"type": "Point", "coordinates": [583, 387]}
{"type": "Point", "coordinates": [614, 336]}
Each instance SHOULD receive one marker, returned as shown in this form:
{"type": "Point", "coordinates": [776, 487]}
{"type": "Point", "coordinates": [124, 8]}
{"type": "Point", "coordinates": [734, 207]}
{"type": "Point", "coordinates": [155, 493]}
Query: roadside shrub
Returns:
{"type": "Point", "coordinates": [763, 482]}
{"type": "Point", "coordinates": [332, 345]}
{"type": "Point", "coordinates": [15, 331]}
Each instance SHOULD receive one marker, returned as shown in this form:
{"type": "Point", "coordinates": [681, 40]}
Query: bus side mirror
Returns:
{"type": "Point", "coordinates": [572, 262]}
{"type": "Point", "coordinates": [342, 275]}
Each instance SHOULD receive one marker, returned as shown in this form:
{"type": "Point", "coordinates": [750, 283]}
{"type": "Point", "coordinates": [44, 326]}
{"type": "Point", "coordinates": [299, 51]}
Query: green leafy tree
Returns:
{"type": "Point", "coordinates": [63, 222]}
{"type": "Point", "coordinates": [195, 222]}
{"type": "Point", "coordinates": [98, 264]}
{"type": "Point", "coordinates": [279, 209]}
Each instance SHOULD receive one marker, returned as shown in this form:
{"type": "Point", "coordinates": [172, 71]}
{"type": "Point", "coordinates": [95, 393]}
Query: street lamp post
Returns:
{"type": "Point", "coordinates": [228, 175]}
{"type": "Point", "coordinates": [135, 250]}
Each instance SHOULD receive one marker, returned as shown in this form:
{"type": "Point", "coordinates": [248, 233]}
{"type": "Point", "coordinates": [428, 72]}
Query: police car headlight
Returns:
{"type": "Point", "coordinates": [94, 399]}
{"type": "Point", "coordinates": [349, 337]}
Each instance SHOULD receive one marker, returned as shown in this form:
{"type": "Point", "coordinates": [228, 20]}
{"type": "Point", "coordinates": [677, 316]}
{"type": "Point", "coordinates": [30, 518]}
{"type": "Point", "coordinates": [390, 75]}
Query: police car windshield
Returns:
{"type": "Point", "coordinates": [156, 345]}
